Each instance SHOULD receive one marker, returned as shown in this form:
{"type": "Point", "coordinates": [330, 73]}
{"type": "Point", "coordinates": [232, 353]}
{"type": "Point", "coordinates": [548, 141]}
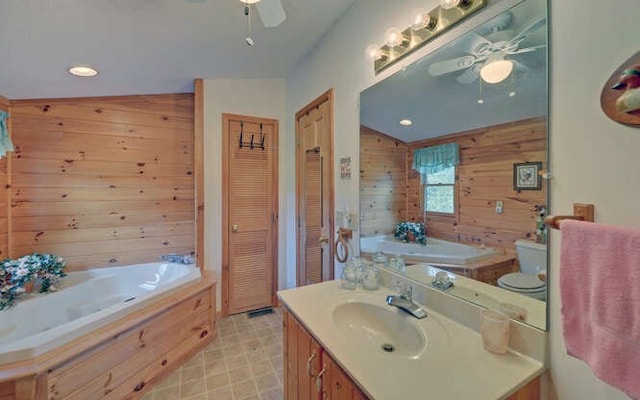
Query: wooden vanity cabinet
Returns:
{"type": "Point", "coordinates": [309, 372]}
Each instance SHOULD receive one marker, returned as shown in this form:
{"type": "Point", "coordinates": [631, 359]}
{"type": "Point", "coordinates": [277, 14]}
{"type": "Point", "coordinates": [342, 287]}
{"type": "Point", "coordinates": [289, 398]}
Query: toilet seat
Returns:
{"type": "Point", "coordinates": [522, 283]}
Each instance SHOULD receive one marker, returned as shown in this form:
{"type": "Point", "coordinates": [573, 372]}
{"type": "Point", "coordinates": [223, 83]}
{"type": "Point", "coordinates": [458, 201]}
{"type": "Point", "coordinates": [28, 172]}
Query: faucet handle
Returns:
{"type": "Point", "coordinates": [404, 290]}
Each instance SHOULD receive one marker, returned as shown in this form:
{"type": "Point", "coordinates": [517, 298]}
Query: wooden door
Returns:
{"type": "Point", "coordinates": [302, 357]}
{"type": "Point", "coordinates": [314, 191]}
{"type": "Point", "coordinates": [250, 200]}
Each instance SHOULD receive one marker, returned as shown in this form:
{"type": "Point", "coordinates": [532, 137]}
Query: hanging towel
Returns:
{"type": "Point", "coordinates": [600, 294]}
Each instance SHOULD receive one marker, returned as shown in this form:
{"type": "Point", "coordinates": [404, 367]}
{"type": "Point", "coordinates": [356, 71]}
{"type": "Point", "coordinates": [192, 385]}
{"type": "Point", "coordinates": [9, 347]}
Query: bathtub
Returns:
{"type": "Point", "coordinates": [84, 302]}
{"type": "Point", "coordinates": [435, 251]}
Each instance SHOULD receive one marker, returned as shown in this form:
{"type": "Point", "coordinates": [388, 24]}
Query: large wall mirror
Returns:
{"type": "Point", "coordinates": [456, 144]}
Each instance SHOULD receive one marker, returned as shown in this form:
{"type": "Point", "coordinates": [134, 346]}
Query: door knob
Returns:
{"type": "Point", "coordinates": [235, 228]}
{"type": "Point", "coordinates": [323, 239]}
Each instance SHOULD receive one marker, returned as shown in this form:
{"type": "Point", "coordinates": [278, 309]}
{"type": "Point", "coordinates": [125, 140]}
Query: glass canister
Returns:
{"type": "Point", "coordinates": [371, 278]}
{"type": "Point", "coordinates": [380, 258]}
{"type": "Point", "coordinates": [348, 277]}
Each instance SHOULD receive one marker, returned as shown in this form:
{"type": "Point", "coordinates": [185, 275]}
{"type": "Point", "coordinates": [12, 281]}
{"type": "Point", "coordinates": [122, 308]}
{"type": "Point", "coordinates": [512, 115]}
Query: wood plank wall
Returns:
{"type": "Point", "coordinates": [485, 175]}
{"type": "Point", "coordinates": [383, 183]}
{"type": "Point", "coordinates": [103, 181]}
{"type": "Point", "coordinates": [4, 190]}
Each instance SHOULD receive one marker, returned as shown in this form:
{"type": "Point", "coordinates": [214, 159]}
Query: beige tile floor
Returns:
{"type": "Point", "coordinates": [244, 362]}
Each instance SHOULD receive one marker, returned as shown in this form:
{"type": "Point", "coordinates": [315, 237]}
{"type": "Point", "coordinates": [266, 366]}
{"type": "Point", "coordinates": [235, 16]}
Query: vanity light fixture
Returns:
{"type": "Point", "coordinates": [405, 122]}
{"type": "Point", "coordinates": [449, 4]}
{"type": "Point", "coordinates": [83, 71]}
{"type": "Point", "coordinates": [496, 71]}
{"type": "Point", "coordinates": [425, 26]}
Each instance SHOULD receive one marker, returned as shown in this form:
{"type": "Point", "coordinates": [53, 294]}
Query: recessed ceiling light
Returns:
{"type": "Point", "coordinates": [405, 122]}
{"type": "Point", "coordinates": [83, 71]}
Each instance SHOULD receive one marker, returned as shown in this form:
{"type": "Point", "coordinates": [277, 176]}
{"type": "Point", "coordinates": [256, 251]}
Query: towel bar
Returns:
{"type": "Point", "coordinates": [581, 212]}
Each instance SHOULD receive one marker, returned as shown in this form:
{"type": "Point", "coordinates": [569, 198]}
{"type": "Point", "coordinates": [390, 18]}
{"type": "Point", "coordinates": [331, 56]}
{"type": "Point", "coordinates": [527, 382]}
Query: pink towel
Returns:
{"type": "Point", "coordinates": [600, 293]}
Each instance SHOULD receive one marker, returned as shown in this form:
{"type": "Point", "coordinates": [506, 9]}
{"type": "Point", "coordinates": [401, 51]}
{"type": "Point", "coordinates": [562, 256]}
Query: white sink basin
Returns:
{"type": "Point", "coordinates": [380, 327]}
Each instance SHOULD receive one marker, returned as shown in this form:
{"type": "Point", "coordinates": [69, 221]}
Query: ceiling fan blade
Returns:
{"type": "Point", "coordinates": [528, 49]}
{"type": "Point", "coordinates": [474, 43]}
{"type": "Point", "coordinates": [470, 75]}
{"type": "Point", "coordinates": [452, 65]}
{"type": "Point", "coordinates": [532, 27]}
{"type": "Point", "coordinates": [271, 12]}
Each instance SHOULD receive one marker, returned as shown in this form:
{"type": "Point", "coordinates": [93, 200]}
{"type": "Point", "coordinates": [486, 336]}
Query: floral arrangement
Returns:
{"type": "Point", "coordinates": [411, 232]}
{"type": "Point", "coordinates": [17, 275]}
{"type": "Point", "coordinates": [541, 227]}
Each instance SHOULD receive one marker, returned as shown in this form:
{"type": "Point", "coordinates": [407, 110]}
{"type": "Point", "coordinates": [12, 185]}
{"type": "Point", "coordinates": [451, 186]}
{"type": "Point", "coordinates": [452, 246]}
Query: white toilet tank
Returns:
{"type": "Point", "coordinates": [532, 256]}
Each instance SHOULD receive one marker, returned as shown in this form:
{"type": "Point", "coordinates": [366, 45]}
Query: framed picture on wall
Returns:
{"type": "Point", "coordinates": [526, 177]}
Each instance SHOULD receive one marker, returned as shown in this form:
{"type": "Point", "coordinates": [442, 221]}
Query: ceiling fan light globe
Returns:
{"type": "Point", "coordinates": [496, 71]}
{"type": "Point", "coordinates": [249, 1]}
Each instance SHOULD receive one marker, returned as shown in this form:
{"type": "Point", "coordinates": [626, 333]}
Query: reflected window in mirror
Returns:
{"type": "Point", "coordinates": [439, 192]}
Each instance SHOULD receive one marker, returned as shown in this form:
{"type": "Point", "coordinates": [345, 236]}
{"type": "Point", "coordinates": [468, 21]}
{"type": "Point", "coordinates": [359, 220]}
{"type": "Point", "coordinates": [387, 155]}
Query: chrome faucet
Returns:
{"type": "Point", "coordinates": [405, 302]}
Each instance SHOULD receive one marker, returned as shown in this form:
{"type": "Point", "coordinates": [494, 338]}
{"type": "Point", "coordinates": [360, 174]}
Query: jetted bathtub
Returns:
{"type": "Point", "coordinates": [435, 251]}
{"type": "Point", "coordinates": [85, 301]}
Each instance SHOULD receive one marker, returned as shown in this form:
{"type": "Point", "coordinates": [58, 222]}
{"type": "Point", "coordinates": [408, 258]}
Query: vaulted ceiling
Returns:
{"type": "Point", "coordinates": [148, 46]}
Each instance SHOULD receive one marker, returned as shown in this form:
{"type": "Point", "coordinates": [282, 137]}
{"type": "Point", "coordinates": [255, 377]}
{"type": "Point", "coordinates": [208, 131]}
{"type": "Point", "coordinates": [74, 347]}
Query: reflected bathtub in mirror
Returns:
{"type": "Point", "coordinates": [472, 202]}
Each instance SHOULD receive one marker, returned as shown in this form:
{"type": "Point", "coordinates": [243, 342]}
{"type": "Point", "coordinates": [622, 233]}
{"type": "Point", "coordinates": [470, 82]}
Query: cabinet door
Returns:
{"type": "Point", "coordinates": [309, 356]}
{"type": "Point", "coordinates": [337, 385]}
{"type": "Point", "coordinates": [302, 356]}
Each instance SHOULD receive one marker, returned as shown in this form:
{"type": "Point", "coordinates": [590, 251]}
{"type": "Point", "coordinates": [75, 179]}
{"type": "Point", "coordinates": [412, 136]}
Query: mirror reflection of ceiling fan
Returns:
{"type": "Point", "coordinates": [490, 50]}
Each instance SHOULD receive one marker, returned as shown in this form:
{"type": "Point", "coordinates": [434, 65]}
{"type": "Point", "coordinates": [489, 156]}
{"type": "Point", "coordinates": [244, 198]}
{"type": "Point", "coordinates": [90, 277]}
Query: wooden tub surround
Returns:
{"type": "Point", "coordinates": [123, 359]}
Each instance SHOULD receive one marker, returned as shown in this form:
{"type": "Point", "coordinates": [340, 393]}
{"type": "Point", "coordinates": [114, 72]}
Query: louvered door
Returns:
{"type": "Point", "coordinates": [314, 179]}
{"type": "Point", "coordinates": [313, 216]}
{"type": "Point", "coordinates": [251, 214]}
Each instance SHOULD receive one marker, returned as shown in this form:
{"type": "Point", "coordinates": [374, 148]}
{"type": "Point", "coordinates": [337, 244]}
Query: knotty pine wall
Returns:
{"type": "Point", "coordinates": [103, 181]}
{"type": "Point", "coordinates": [390, 189]}
{"type": "Point", "coordinates": [4, 191]}
{"type": "Point", "coordinates": [383, 171]}
{"type": "Point", "coordinates": [485, 175]}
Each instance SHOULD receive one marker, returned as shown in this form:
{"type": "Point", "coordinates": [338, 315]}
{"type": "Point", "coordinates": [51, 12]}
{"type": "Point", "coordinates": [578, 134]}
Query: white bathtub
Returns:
{"type": "Point", "coordinates": [85, 301]}
{"type": "Point", "coordinates": [435, 251]}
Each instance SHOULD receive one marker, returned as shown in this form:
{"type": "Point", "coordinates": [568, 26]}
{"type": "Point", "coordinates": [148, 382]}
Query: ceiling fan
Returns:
{"type": "Point", "coordinates": [489, 52]}
{"type": "Point", "coordinates": [271, 13]}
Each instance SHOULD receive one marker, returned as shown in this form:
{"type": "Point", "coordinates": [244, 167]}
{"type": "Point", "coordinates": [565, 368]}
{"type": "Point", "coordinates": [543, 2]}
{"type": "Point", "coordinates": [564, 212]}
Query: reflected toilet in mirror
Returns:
{"type": "Point", "coordinates": [532, 258]}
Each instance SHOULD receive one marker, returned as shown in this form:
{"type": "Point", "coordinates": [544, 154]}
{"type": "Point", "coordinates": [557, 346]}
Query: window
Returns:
{"type": "Point", "coordinates": [439, 191]}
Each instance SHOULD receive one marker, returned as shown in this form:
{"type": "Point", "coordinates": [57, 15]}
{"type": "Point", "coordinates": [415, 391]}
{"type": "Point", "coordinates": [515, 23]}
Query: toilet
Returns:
{"type": "Point", "coordinates": [532, 257]}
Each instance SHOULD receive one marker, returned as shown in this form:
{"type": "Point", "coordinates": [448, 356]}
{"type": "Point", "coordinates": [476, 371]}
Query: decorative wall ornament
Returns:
{"type": "Point", "coordinates": [345, 167]}
{"type": "Point", "coordinates": [526, 176]}
{"type": "Point", "coordinates": [620, 98]}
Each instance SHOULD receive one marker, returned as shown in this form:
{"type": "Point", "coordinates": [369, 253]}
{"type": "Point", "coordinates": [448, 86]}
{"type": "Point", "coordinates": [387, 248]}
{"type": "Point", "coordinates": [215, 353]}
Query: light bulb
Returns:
{"type": "Point", "coordinates": [405, 122]}
{"type": "Point", "coordinates": [449, 4]}
{"type": "Point", "coordinates": [393, 37]}
{"type": "Point", "coordinates": [496, 71]}
{"type": "Point", "coordinates": [422, 20]}
{"type": "Point", "coordinates": [375, 52]}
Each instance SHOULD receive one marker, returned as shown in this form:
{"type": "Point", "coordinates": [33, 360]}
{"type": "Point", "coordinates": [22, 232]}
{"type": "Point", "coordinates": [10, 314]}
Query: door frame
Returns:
{"type": "Point", "coordinates": [226, 228]}
{"type": "Point", "coordinates": [300, 250]}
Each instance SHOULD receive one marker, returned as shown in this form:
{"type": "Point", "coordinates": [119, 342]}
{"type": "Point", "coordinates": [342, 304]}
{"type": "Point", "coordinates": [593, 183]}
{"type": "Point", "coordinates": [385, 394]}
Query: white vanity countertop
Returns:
{"type": "Point", "coordinates": [453, 366]}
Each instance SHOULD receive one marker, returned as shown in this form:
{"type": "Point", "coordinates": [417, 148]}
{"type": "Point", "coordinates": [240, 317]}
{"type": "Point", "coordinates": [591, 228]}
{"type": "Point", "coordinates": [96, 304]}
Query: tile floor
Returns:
{"type": "Point", "coordinates": [244, 362]}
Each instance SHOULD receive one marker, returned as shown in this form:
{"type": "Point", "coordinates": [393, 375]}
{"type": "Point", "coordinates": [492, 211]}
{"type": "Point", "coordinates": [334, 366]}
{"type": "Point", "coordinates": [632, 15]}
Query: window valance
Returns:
{"type": "Point", "coordinates": [434, 159]}
{"type": "Point", "coordinates": [5, 140]}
